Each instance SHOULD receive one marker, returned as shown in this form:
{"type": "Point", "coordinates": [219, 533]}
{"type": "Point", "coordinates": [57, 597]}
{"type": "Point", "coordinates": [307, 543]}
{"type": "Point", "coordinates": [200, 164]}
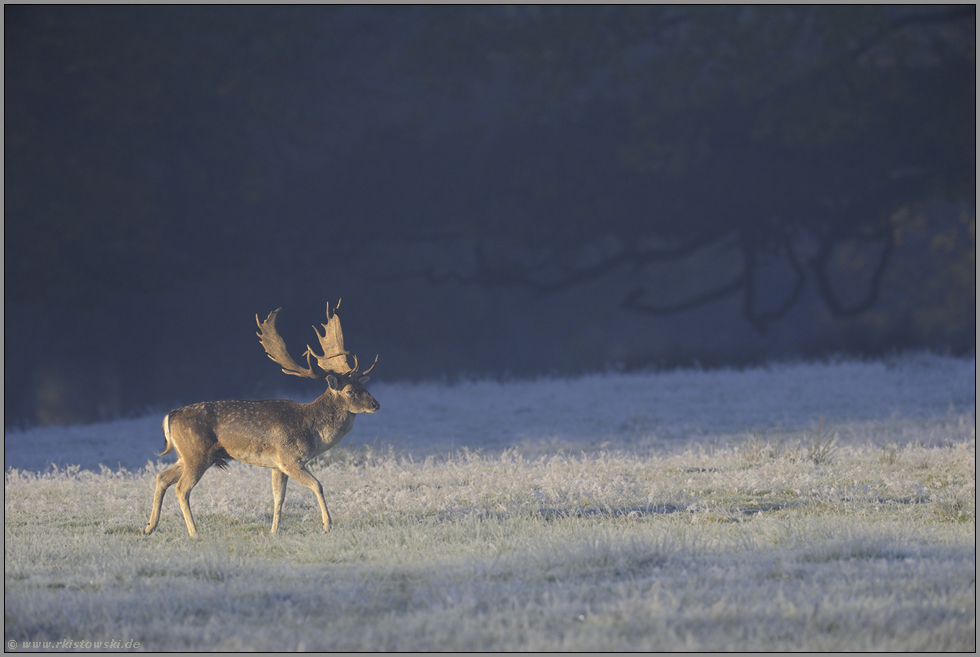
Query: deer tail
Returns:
{"type": "Point", "coordinates": [168, 446]}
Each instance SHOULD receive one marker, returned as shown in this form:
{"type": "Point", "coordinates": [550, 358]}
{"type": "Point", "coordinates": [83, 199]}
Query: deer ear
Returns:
{"type": "Point", "coordinates": [332, 382]}
{"type": "Point", "coordinates": [364, 379]}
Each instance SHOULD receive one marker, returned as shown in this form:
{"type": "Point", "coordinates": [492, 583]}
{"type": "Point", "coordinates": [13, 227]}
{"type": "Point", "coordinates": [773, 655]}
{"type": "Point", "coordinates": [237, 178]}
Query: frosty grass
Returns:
{"type": "Point", "coordinates": [827, 506]}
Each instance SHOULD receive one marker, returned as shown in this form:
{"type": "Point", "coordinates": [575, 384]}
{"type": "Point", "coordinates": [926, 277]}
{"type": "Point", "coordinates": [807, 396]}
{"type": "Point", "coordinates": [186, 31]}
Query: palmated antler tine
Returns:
{"type": "Point", "coordinates": [309, 354]}
{"type": "Point", "coordinates": [372, 365]}
{"type": "Point", "coordinates": [332, 342]}
{"type": "Point", "coordinates": [343, 354]}
{"type": "Point", "coordinates": [276, 348]}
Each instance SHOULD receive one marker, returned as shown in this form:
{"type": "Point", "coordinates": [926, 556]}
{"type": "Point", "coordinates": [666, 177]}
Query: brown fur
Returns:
{"type": "Point", "coordinates": [279, 434]}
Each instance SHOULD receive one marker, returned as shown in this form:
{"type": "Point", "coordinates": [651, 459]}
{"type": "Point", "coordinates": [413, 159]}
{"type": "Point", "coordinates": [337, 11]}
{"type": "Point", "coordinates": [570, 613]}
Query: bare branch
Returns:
{"type": "Point", "coordinates": [631, 302]}
{"type": "Point", "coordinates": [537, 279]}
{"type": "Point", "coordinates": [819, 266]}
{"type": "Point", "coordinates": [759, 320]}
{"type": "Point", "coordinates": [630, 256]}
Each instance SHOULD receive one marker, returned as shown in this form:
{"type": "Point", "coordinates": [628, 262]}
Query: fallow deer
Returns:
{"type": "Point", "coordinates": [275, 433]}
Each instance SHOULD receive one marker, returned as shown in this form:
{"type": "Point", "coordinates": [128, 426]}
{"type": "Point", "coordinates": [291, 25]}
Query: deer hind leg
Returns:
{"type": "Point", "coordinates": [191, 474]}
{"type": "Point", "coordinates": [165, 480]}
{"type": "Point", "coordinates": [299, 472]}
{"type": "Point", "coordinates": [279, 480]}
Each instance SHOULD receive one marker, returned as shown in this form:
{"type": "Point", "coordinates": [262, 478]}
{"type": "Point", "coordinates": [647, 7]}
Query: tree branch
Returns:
{"type": "Point", "coordinates": [759, 319]}
{"type": "Point", "coordinates": [629, 256]}
{"type": "Point", "coordinates": [632, 304]}
{"type": "Point", "coordinates": [819, 267]}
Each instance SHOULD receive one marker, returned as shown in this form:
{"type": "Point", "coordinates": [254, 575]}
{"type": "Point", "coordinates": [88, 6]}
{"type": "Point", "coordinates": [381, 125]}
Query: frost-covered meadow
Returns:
{"type": "Point", "coordinates": [798, 506]}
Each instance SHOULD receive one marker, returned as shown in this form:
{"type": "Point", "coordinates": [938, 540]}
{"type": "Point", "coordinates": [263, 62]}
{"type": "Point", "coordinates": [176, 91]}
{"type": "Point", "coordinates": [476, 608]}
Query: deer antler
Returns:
{"type": "Point", "coordinates": [332, 342]}
{"type": "Point", "coordinates": [276, 349]}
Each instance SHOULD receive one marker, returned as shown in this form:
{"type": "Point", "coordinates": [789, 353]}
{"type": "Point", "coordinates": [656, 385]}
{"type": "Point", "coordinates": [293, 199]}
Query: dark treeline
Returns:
{"type": "Point", "coordinates": [491, 190]}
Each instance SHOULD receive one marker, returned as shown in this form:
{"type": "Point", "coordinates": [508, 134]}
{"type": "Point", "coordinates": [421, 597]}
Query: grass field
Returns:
{"type": "Point", "coordinates": [854, 533]}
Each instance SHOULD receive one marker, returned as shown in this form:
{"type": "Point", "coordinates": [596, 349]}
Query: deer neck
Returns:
{"type": "Point", "coordinates": [330, 418]}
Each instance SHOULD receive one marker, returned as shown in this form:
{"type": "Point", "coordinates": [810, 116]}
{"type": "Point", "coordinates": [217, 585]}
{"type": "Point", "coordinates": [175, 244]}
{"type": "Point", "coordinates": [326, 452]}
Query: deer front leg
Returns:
{"type": "Point", "coordinates": [165, 480]}
{"type": "Point", "coordinates": [279, 480]}
{"type": "Point", "coordinates": [299, 472]}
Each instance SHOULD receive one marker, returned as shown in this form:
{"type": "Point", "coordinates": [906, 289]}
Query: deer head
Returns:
{"type": "Point", "coordinates": [332, 365]}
